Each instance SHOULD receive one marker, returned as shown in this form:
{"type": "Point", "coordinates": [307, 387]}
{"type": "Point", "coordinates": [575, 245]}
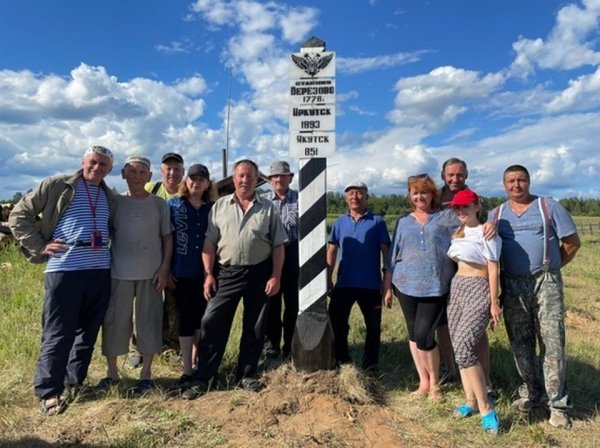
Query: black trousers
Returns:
{"type": "Point", "coordinates": [75, 303]}
{"type": "Point", "coordinates": [289, 291]}
{"type": "Point", "coordinates": [340, 305]}
{"type": "Point", "coordinates": [235, 282]}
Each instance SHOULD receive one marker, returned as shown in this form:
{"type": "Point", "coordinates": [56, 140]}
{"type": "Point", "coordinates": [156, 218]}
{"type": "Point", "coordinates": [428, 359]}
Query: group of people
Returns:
{"type": "Point", "coordinates": [123, 262]}
{"type": "Point", "coordinates": [454, 274]}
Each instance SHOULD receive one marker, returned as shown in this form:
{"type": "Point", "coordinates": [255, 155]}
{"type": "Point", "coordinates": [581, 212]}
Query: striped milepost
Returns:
{"type": "Point", "coordinates": [312, 345]}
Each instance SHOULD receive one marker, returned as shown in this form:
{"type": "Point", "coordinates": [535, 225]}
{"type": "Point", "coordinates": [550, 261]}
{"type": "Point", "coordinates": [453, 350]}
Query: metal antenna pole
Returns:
{"type": "Point", "coordinates": [226, 150]}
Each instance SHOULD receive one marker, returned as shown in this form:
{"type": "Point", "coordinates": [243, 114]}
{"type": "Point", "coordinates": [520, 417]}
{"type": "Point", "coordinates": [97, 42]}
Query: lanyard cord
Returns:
{"type": "Point", "coordinates": [93, 206]}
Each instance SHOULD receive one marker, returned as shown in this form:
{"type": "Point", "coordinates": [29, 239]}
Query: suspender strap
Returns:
{"type": "Point", "coordinates": [497, 217]}
{"type": "Point", "coordinates": [543, 206]}
{"type": "Point", "coordinates": [156, 187]}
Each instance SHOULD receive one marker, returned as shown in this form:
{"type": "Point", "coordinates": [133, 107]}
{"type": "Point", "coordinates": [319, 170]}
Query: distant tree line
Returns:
{"type": "Point", "coordinates": [395, 204]}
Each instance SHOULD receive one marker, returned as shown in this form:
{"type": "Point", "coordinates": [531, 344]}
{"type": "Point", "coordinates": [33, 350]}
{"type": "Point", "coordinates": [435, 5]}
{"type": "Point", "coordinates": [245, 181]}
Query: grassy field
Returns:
{"type": "Point", "coordinates": [336, 409]}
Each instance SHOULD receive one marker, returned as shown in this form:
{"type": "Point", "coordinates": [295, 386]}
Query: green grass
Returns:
{"type": "Point", "coordinates": [122, 421]}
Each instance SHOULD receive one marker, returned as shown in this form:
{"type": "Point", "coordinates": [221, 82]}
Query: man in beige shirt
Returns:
{"type": "Point", "coordinates": [242, 256]}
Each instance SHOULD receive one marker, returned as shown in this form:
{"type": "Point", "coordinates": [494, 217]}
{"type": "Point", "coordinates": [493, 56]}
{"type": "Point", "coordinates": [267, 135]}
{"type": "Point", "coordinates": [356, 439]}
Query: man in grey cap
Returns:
{"type": "Point", "coordinates": [141, 246]}
{"type": "Point", "coordinates": [72, 237]}
{"type": "Point", "coordinates": [286, 203]}
{"type": "Point", "coordinates": [171, 170]}
{"type": "Point", "coordinates": [363, 240]}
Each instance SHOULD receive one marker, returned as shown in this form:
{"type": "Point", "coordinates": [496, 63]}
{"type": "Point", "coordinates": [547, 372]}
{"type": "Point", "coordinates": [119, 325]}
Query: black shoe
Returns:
{"type": "Point", "coordinates": [143, 387]}
{"type": "Point", "coordinates": [271, 353]}
{"type": "Point", "coordinates": [184, 383]}
{"type": "Point", "coordinates": [196, 389]}
{"type": "Point", "coordinates": [105, 383]}
{"type": "Point", "coordinates": [251, 384]}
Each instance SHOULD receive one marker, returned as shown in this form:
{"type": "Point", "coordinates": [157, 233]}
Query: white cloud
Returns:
{"type": "Point", "coordinates": [582, 94]}
{"type": "Point", "coordinates": [193, 86]}
{"type": "Point", "coordinates": [360, 65]}
{"type": "Point", "coordinates": [89, 107]}
{"type": "Point", "coordinates": [560, 152]}
{"type": "Point", "coordinates": [175, 47]}
{"type": "Point", "coordinates": [297, 23]}
{"type": "Point", "coordinates": [566, 47]}
{"type": "Point", "coordinates": [215, 12]}
{"type": "Point", "coordinates": [251, 47]}
{"type": "Point", "coordinates": [439, 97]}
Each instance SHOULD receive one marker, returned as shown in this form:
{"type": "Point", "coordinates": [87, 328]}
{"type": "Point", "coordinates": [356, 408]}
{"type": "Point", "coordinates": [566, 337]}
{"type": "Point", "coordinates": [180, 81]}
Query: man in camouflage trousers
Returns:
{"type": "Point", "coordinates": [538, 238]}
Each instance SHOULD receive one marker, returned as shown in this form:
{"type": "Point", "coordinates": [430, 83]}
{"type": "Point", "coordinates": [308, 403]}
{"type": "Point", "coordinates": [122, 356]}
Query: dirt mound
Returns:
{"type": "Point", "coordinates": [325, 408]}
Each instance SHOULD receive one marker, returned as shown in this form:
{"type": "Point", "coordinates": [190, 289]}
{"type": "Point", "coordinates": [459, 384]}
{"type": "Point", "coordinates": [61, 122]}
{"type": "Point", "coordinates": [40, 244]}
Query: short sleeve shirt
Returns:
{"type": "Point", "coordinates": [161, 192]}
{"type": "Point", "coordinates": [523, 237]}
{"type": "Point", "coordinates": [474, 248]}
{"type": "Point", "coordinates": [360, 250]}
{"type": "Point", "coordinates": [244, 239]}
{"type": "Point", "coordinates": [189, 228]}
{"type": "Point", "coordinates": [288, 211]}
{"type": "Point", "coordinates": [418, 259]}
{"type": "Point", "coordinates": [138, 228]}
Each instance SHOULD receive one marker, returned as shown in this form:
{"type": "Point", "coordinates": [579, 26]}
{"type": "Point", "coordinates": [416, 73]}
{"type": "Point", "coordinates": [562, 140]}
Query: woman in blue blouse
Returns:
{"type": "Point", "coordinates": [420, 272]}
{"type": "Point", "coordinates": [189, 217]}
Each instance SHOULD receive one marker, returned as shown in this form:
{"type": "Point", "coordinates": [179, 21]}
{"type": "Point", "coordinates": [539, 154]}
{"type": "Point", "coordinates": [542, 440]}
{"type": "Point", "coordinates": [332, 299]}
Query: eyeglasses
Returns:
{"type": "Point", "coordinates": [418, 177]}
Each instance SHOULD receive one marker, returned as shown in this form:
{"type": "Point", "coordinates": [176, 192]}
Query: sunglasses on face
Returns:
{"type": "Point", "coordinates": [418, 177]}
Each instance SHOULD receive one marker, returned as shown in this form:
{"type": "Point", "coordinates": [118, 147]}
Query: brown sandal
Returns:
{"type": "Point", "coordinates": [51, 406]}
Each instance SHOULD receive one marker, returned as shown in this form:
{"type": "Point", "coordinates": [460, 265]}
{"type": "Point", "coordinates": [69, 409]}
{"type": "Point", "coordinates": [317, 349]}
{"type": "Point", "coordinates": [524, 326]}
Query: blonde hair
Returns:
{"type": "Point", "coordinates": [460, 232]}
{"type": "Point", "coordinates": [211, 194]}
{"type": "Point", "coordinates": [423, 182]}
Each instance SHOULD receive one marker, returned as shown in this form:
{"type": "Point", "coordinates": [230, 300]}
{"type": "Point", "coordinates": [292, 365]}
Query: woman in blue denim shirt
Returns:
{"type": "Point", "coordinates": [420, 272]}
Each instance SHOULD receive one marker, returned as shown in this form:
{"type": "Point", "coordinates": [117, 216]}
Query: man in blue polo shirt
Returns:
{"type": "Point", "coordinates": [362, 239]}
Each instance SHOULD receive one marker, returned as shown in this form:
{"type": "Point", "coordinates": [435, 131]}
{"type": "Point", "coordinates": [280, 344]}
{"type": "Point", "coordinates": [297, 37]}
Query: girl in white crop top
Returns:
{"type": "Point", "coordinates": [473, 300]}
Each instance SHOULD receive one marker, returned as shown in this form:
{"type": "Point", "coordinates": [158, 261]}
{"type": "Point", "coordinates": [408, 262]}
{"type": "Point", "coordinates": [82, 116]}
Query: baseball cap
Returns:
{"type": "Point", "coordinates": [279, 168]}
{"type": "Point", "coordinates": [171, 156]}
{"type": "Point", "coordinates": [356, 184]}
{"type": "Point", "coordinates": [137, 158]}
{"type": "Point", "coordinates": [463, 198]}
{"type": "Point", "coordinates": [198, 170]}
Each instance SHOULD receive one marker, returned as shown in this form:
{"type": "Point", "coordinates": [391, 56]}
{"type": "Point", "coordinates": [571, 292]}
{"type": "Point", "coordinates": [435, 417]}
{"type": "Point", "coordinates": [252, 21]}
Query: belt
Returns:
{"type": "Point", "coordinates": [84, 244]}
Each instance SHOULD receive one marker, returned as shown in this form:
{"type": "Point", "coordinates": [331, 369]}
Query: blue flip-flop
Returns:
{"type": "Point", "coordinates": [490, 423]}
{"type": "Point", "coordinates": [464, 411]}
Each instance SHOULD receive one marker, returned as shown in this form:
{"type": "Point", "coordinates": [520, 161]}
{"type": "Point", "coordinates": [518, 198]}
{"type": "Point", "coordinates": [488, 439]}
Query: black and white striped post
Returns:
{"type": "Point", "coordinates": [312, 139]}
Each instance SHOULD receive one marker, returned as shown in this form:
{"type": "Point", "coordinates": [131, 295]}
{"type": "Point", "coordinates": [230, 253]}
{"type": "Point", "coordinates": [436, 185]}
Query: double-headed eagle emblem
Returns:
{"type": "Point", "coordinates": [312, 63]}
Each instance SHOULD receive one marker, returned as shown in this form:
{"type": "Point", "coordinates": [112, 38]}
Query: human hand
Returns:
{"type": "Point", "coordinates": [161, 279]}
{"type": "Point", "coordinates": [496, 316]}
{"type": "Point", "coordinates": [210, 286]}
{"type": "Point", "coordinates": [272, 286]}
{"type": "Point", "coordinates": [489, 230]}
{"type": "Point", "coordinates": [55, 248]}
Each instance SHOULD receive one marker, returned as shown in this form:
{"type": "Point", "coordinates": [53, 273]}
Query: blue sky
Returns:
{"type": "Point", "coordinates": [493, 82]}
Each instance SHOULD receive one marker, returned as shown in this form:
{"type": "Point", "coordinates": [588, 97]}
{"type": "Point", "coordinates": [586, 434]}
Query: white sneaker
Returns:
{"type": "Point", "coordinates": [559, 419]}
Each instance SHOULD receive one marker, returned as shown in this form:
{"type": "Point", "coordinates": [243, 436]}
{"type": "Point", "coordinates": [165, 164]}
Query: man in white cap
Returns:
{"type": "Point", "coordinates": [286, 202]}
{"type": "Point", "coordinates": [363, 240]}
{"type": "Point", "coordinates": [72, 237]}
{"type": "Point", "coordinates": [142, 246]}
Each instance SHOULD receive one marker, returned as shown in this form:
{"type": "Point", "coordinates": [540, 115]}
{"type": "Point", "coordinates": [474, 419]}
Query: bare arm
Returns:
{"type": "Point", "coordinates": [274, 282]}
{"type": "Point", "coordinates": [209, 254]}
{"type": "Point", "coordinates": [386, 286]}
{"type": "Point", "coordinates": [162, 276]}
{"type": "Point", "coordinates": [332, 251]}
{"type": "Point", "coordinates": [493, 275]}
{"type": "Point", "coordinates": [569, 247]}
